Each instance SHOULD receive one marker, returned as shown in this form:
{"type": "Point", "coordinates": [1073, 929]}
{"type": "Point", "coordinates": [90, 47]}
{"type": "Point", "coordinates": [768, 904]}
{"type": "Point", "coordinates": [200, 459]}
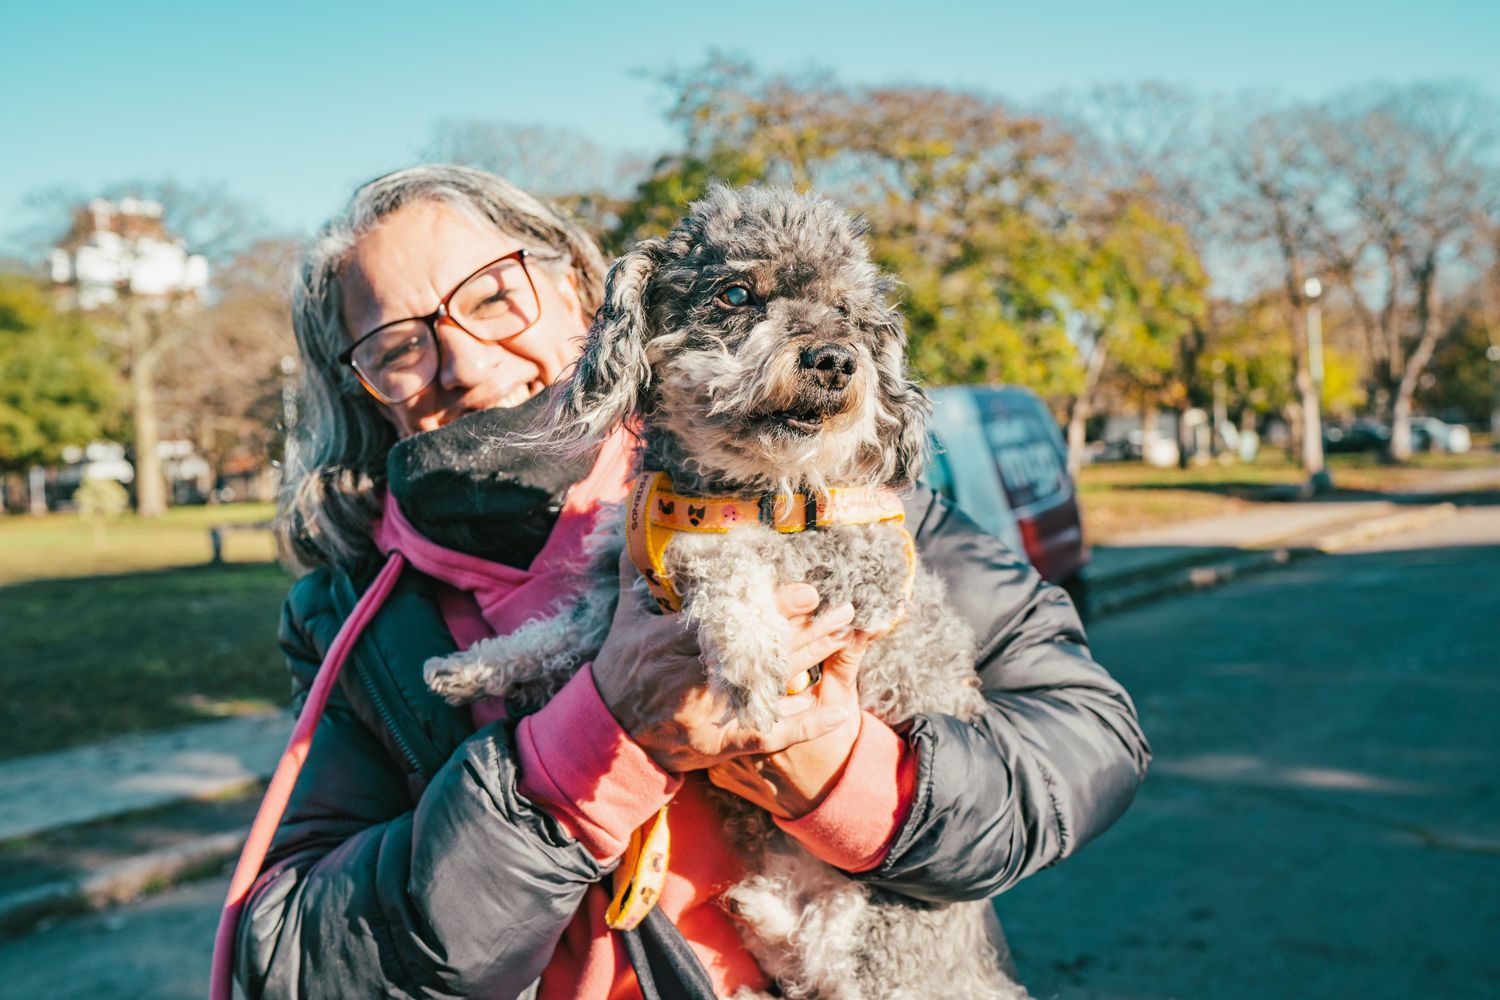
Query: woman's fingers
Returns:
{"type": "Point", "coordinates": [843, 663]}
{"type": "Point", "coordinates": [796, 600]}
{"type": "Point", "coordinates": [817, 649]}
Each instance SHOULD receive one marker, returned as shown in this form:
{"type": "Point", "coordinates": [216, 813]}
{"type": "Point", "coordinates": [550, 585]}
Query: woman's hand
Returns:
{"type": "Point", "coordinates": [793, 781]}
{"type": "Point", "coordinates": [650, 678]}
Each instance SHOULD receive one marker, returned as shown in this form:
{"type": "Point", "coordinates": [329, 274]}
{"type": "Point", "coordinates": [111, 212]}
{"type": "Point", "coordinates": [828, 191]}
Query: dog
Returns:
{"type": "Point", "coordinates": [755, 352]}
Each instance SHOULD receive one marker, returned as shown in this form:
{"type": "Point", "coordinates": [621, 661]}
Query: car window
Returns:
{"type": "Point", "coordinates": [1028, 450]}
{"type": "Point", "coordinates": [963, 470]}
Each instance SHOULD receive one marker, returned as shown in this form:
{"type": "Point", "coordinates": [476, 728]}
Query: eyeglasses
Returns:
{"type": "Point", "coordinates": [399, 359]}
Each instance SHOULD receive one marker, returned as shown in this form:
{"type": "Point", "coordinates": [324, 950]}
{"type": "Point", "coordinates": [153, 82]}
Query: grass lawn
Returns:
{"type": "Point", "coordinates": [89, 658]}
{"type": "Point", "coordinates": [161, 640]}
{"type": "Point", "coordinates": [1118, 498]}
{"type": "Point", "coordinates": [61, 545]}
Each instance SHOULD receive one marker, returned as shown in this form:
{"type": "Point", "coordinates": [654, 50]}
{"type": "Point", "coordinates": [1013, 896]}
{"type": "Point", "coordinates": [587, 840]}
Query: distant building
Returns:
{"type": "Point", "coordinates": [122, 246]}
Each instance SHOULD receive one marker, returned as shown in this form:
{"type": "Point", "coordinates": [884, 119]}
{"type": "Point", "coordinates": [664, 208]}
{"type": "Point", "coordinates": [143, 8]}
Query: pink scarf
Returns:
{"type": "Point", "coordinates": [491, 598]}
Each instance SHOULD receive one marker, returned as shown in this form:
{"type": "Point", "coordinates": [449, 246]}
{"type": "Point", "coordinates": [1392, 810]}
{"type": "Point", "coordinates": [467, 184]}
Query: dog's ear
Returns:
{"type": "Point", "coordinates": [910, 453]}
{"type": "Point", "coordinates": [613, 375]}
{"type": "Point", "coordinates": [907, 410]}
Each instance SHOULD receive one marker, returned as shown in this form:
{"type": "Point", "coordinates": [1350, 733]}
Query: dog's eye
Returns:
{"type": "Point", "coordinates": [734, 296]}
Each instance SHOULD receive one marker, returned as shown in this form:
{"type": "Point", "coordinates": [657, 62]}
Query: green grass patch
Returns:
{"type": "Point", "coordinates": [88, 658]}
{"type": "Point", "coordinates": [64, 545]}
{"type": "Point", "coordinates": [1108, 514]}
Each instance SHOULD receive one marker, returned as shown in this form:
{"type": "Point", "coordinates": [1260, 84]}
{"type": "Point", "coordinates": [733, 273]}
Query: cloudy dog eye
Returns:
{"type": "Point", "coordinates": [734, 296]}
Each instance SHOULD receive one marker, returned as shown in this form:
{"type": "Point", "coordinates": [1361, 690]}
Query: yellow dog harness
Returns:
{"type": "Point", "coordinates": [656, 514]}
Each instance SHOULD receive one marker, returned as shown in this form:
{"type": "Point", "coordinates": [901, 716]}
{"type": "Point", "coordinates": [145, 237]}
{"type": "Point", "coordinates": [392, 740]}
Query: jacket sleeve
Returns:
{"type": "Point", "coordinates": [1053, 761]}
{"type": "Point", "coordinates": [370, 890]}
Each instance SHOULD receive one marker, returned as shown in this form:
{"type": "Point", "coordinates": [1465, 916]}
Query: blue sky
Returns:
{"type": "Point", "coordinates": [291, 104]}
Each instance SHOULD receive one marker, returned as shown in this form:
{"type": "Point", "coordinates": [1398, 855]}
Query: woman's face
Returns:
{"type": "Point", "coordinates": [406, 265]}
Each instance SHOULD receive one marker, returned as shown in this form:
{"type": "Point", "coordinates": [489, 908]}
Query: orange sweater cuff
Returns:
{"type": "Point", "coordinates": [852, 828]}
{"type": "Point", "coordinates": [584, 769]}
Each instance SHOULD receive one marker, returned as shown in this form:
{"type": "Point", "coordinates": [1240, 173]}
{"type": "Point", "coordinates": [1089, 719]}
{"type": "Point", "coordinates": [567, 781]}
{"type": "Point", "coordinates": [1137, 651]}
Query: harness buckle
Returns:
{"type": "Point", "coordinates": [768, 509]}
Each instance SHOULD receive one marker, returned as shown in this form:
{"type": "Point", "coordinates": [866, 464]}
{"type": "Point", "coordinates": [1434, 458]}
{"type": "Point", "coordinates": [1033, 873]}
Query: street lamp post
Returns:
{"type": "Point", "coordinates": [1493, 354]}
{"type": "Point", "coordinates": [1312, 448]}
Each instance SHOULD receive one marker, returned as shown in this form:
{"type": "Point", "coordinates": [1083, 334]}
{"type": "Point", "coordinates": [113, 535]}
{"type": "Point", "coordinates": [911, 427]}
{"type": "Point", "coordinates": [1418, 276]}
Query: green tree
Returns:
{"type": "Point", "coordinates": [1138, 291]}
{"type": "Point", "coordinates": [954, 188]}
{"type": "Point", "coordinates": [56, 386]}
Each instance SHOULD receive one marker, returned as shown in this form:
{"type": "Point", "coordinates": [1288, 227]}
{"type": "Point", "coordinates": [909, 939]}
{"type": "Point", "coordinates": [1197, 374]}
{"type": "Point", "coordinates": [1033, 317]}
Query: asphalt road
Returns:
{"type": "Point", "coordinates": [1321, 821]}
{"type": "Point", "coordinates": [1322, 818]}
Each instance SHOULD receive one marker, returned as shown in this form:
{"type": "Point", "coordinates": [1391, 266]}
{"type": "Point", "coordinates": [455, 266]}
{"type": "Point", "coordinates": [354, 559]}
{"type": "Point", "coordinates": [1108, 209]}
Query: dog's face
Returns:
{"type": "Point", "coordinates": [758, 336]}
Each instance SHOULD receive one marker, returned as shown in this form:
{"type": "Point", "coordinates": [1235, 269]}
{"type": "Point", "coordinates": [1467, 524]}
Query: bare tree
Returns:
{"type": "Point", "coordinates": [553, 161]}
{"type": "Point", "coordinates": [224, 384]}
{"type": "Point", "coordinates": [1271, 203]}
{"type": "Point", "coordinates": [1413, 171]}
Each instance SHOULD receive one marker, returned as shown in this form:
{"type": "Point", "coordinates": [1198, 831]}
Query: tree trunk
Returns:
{"type": "Point", "coordinates": [1489, 300]}
{"type": "Point", "coordinates": [1083, 406]}
{"type": "Point", "coordinates": [1077, 425]}
{"type": "Point", "coordinates": [1432, 330]}
{"type": "Point", "coordinates": [37, 487]}
{"type": "Point", "coordinates": [150, 488]}
{"type": "Point", "coordinates": [1291, 415]}
{"type": "Point", "coordinates": [1309, 405]}
{"type": "Point", "coordinates": [1312, 425]}
{"type": "Point", "coordinates": [1401, 424]}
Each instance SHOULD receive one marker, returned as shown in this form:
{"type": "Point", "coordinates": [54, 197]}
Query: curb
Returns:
{"type": "Point", "coordinates": [120, 882]}
{"type": "Point", "coordinates": [1143, 586]}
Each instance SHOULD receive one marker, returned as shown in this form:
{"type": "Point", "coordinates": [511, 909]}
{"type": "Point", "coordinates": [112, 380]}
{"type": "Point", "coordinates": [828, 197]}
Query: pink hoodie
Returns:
{"type": "Point", "coordinates": [580, 765]}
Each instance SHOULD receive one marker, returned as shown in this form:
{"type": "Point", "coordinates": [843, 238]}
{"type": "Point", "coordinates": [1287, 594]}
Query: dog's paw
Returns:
{"type": "Point", "coordinates": [750, 677]}
{"type": "Point", "coordinates": [459, 677]}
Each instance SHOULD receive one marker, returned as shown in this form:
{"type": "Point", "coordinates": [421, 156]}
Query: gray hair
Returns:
{"type": "Point", "coordinates": [335, 466]}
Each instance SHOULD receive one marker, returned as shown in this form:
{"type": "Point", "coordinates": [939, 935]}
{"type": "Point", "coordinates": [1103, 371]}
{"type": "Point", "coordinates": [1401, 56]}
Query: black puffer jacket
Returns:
{"type": "Point", "coordinates": [408, 864]}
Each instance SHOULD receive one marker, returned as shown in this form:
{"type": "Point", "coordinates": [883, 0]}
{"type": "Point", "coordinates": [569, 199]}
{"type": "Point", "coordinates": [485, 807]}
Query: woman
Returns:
{"type": "Point", "coordinates": [439, 851]}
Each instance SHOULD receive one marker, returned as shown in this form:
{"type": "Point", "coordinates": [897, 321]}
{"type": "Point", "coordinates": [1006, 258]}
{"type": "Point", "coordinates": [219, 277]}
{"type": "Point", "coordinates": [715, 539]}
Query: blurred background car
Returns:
{"type": "Point", "coordinates": [1361, 435]}
{"type": "Point", "coordinates": [1432, 434]}
{"type": "Point", "coordinates": [1000, 457]}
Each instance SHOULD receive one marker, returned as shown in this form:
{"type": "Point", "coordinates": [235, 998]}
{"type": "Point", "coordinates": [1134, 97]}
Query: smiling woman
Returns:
{"type": "Point", "coordinates": [413, 258]}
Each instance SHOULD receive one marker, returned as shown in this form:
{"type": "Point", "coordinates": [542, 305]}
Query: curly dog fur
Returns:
{"type": "Point", "coordinates": [756, 349]}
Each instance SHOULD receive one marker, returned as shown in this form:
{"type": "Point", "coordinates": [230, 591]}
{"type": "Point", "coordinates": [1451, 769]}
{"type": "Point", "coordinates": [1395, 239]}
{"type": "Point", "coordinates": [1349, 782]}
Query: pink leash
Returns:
{"type": "Point", "coordinates": [279, 791]}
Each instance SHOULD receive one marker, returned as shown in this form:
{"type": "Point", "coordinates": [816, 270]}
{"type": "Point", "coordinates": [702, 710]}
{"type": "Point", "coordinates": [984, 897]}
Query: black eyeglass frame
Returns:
{"type": "Point", "coordinates": [346, 356]}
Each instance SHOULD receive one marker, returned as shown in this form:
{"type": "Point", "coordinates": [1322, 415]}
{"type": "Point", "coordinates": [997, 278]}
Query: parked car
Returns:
{"type": "Point", "coordinates": [1361, 435]}
{"type": "Point", "coordinates": [999, 456]}
{"type": "Point", "coordinates": [1431, 434]}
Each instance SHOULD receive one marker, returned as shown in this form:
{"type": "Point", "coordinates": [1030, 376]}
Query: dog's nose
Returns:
{"type": "Point", "coordinates": [829, 364]}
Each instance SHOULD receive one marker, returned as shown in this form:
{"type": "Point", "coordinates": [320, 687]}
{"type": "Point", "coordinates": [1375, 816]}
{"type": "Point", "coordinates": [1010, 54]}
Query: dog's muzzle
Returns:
{"type": "Point", "coordinates": [831, 366]}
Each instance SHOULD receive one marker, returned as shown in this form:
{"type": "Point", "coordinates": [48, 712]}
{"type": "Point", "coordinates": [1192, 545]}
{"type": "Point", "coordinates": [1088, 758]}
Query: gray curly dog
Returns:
{"type": "Point", "coordinates": [756, 349]}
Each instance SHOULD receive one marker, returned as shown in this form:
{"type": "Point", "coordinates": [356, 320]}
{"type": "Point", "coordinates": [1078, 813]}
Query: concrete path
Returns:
{"type": "Point", "coordinates": [1268, 525]}
{"type": "Point", "coordinates": [1140, 551]}
{"type": "Point", "coordinates": [157, 949]}
{"type": "Point", "coordinates": [137, 772]}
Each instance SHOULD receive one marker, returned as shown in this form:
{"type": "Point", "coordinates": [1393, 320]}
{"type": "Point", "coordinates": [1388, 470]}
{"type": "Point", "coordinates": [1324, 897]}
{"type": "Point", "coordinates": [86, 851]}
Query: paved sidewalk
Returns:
{"type": "Point", "coordinates": [1150, 564]}
{"type": "Point", "coordinates": [55, 790]}
{"type": "Point", "coordinates": [1130, 554]}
